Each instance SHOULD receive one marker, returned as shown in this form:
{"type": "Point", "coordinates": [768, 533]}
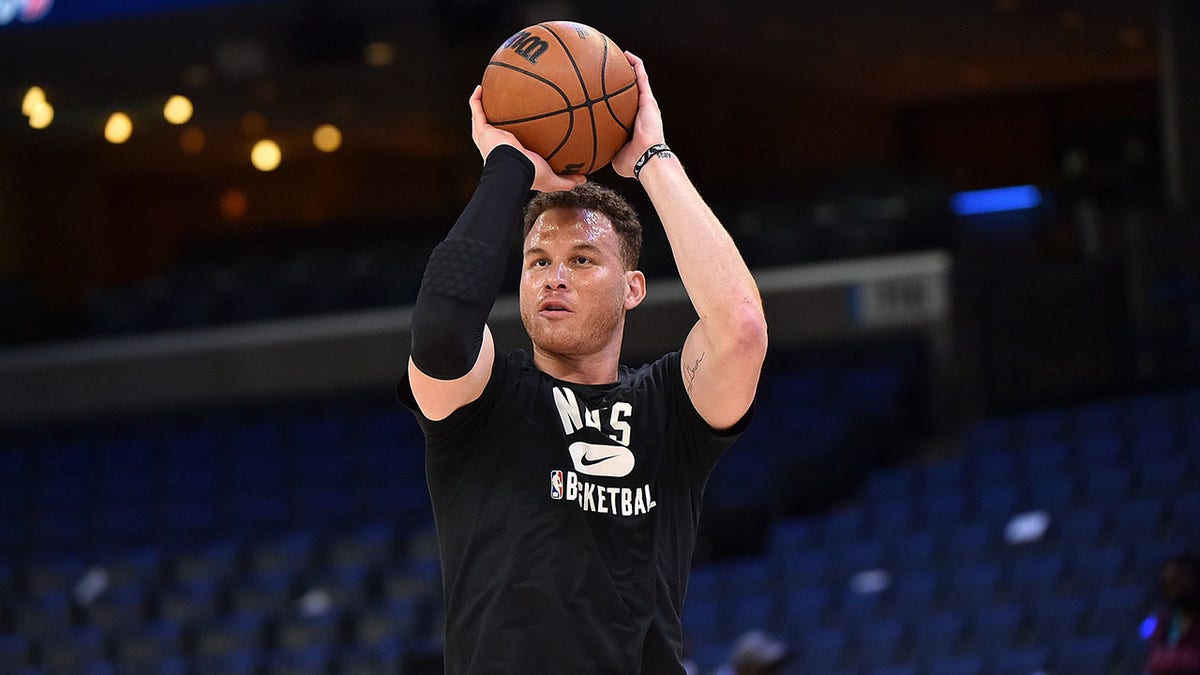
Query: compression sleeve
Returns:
{"type": "Point", "coordinates": [464, 272]}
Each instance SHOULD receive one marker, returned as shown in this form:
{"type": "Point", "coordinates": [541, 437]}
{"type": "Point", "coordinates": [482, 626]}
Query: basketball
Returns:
{"type": "Point", "coordinates": [566, 91]}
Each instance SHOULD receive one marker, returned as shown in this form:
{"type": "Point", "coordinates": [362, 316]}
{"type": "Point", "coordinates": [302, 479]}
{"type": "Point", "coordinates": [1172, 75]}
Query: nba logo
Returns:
{"type": "Point", "coordinates": [556, 484]}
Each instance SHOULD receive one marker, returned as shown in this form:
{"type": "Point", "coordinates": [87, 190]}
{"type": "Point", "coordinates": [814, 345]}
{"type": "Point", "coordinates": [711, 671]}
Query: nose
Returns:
{"type": "Point", "coordinates": [556, 277]}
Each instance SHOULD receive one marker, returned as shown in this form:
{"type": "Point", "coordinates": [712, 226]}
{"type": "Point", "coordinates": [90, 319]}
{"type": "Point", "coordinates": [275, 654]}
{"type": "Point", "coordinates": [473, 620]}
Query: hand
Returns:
{"type": "Point", "coordinates": [647, 127]}
{"type": "Point", "coordinates": [487, 137]}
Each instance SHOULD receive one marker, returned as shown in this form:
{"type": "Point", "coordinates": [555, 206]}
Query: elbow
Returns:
{"type": "Point", "coordinates": [749, 332]}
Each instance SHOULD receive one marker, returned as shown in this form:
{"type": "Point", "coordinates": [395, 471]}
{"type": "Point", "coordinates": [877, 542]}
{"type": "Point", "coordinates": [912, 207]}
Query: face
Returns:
{"type": "Point", "coordinates": [575, 289]}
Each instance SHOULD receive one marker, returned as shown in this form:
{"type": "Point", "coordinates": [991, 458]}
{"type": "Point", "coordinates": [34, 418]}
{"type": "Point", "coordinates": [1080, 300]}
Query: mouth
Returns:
{"type": "Point", "coordinates": [553, 309]}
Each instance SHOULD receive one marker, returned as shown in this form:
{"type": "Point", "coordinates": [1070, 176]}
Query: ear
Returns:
{"type": "Point", "coordinates": [635, 290]}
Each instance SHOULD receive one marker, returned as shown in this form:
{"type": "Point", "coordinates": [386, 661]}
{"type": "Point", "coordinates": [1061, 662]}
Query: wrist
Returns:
{"type": "Point", "coordinates": [657, 151]}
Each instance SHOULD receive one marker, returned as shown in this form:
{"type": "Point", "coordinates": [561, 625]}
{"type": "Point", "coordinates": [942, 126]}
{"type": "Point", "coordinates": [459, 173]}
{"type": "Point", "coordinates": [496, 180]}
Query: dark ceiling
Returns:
{"type": "Point", "coordinates": [301, 62]}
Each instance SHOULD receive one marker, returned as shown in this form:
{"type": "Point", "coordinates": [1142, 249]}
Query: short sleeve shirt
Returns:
{"type": "Point", "coordinates": [567, 517]}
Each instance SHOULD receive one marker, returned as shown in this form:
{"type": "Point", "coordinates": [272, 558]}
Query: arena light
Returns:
{"type": "Point", "coordinates": [178, 110]}
{"type": "Point", "coordinates": [34, 97]}
{"type": "Point", "coordinates": [192, 141]}
{"type": "Point", "coordinates": [266, 155]}
{"type": "Point", "coordinates": [996, 200]}
{"type": "Point", "coordinates": [118, 129]}
{"type": "Point", "coordinates": [327, 138]}
{"type": "Point", "coordinates": [41, 115]}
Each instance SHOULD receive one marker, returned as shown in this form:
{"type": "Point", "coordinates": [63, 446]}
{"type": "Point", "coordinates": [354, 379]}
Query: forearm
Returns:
{"type": "Point", "coordinates": [464, 273]}
{"type": "Point", "coordinates": [717, 281]}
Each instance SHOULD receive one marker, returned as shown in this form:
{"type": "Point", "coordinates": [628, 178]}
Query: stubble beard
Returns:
{"type": "Point", "coordinates": [573, 337]}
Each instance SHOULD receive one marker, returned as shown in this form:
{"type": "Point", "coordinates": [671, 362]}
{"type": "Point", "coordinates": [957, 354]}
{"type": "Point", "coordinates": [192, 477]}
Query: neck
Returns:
{"type": "Point", "coordinates": [599, 368]}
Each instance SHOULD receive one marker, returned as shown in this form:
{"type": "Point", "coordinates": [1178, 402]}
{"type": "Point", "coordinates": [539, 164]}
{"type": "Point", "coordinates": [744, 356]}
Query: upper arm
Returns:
{"type": "Point", "coordinates": [439, 398]}
{"type": "Point", "coordinates": [721, 372]}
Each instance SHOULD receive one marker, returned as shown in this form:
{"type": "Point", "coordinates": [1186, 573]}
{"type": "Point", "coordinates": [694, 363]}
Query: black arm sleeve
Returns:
{"type": "Point", "coordinates": [464, 272]}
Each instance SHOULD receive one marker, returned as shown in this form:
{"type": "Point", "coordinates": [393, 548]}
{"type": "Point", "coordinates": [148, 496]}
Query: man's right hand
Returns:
{"type": "Point", "coordinates": [487, 137]}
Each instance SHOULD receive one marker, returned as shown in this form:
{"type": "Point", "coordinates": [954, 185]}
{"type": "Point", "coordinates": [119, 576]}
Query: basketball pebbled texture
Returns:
{"type": "Point", "coordinates": [566, 91]}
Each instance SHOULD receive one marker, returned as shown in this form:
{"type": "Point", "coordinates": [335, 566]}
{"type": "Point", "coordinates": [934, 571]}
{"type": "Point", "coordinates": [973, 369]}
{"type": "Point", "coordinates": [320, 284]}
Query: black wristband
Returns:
{"type": "Point", "coordinates": [653, 151]}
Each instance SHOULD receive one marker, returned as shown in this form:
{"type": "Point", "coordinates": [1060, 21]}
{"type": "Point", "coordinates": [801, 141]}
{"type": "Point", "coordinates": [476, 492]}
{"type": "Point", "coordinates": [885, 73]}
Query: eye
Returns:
{"type": "Point", "coordinates": [582, 260]}
{"type": "Point", "coordinates": [539, 262]}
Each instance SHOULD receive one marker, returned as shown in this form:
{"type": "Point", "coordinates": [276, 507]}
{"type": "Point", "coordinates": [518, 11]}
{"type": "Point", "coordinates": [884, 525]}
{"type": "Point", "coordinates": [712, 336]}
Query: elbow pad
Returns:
{"type": "Point", "coordinates": [453, 305]}
{"type": "Point", "coordinates": [464, 273]}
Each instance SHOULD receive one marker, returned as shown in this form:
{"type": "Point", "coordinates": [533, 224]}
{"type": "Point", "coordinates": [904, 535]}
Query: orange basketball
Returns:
{"type": "Point", "coordinates": [566, 91]}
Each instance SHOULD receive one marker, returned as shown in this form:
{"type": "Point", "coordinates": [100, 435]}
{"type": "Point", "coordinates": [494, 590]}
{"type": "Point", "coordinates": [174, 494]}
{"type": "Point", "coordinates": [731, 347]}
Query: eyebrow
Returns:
{"type": "Point", "coordinates": [537, 250]}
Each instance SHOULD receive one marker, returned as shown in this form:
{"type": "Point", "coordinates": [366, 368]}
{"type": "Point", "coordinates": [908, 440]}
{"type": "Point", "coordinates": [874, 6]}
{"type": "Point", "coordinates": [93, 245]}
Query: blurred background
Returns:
{"type": "Point", "coordinates": [973, 222]}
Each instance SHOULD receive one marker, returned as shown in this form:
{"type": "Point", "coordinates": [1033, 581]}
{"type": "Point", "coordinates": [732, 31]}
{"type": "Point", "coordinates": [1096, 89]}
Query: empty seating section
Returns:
{"type": "Point", "coordinates": [297, 537]}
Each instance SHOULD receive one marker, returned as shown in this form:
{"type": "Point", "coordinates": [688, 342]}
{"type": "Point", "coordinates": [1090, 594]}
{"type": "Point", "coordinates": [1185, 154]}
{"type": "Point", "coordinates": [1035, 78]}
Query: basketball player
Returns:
{"type": "Point", "coordinates": [567, 488]}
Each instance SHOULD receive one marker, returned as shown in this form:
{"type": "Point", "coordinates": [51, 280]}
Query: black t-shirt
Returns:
{"type": "Point", "coordinates": [566, 517]}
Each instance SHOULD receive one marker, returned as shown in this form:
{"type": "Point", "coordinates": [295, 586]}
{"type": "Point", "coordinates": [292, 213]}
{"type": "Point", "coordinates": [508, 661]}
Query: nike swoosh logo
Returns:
{"type": "Point", "coordinates": [601, 459]}
{"type": "Point", "coordinates": [589, 462]}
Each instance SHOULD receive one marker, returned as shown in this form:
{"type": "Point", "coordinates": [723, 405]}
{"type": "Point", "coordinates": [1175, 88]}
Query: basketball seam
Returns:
{"type": "Point", "coordinates": [582, 84]}
{"type": "Point", "coordinates": [569, 108]}
{"type": "Point", "coordinates": [555, 87]}
{"type": "Point", "coordinates": [607, 96]}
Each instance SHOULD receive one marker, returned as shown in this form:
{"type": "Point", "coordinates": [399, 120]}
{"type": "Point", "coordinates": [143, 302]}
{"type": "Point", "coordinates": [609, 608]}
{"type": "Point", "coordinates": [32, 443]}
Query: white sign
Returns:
{"type": "Point", "coordinates": [25, 11]}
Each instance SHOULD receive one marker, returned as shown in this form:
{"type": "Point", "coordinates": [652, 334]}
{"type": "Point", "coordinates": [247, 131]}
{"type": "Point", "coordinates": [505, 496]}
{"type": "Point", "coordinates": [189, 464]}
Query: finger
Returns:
{"type": "Point", "coordinates": [639, 72]}
{"type": "Point", "coordinates": [476, 105]}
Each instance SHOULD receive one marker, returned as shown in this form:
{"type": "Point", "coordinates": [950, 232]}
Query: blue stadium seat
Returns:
{"type": "Point", "coordinates": [947, 475]}
{"type": "Point", "coordinates": [1051, 491]}
{"type": "Point", "coordinates": [1098, 417]}
{"type": "Point", "coordinates": [974, 584]}
{"type": "Point", "coordinates": [1138, 521]}
{"type": "Point", "coordinates": [938, 634]}
{"type": "Point", "coordinates": [292, 552]}
{"type": "Point", "coordinates": [1163, 476]}
{"type": "Point", "coordinates": [1094, 569]}
{"type": "Point", "coordinates": [1099, 450]}
{"type": "Point", "coordinates": [892, 517]}
{"type": "Point", "coordinates": [996, 502]}
{"type": "Point", "coordinates": [299, 661]}
{"type": "Point", "coordinates": [915, 592]}
{"type": "Point", "coordinates": [266, 593]}
{"type": "Point", "coordinates": [1058, 618]}
{"type": "Point", "coordinates": [42, 615]}
{"type": "Point", "coordinates": [1034, 575]}
{"type": "Point", "coordinates": [822, 650]}
{"type": "Point", "coordinates": [395, 622]}
{"type": "Point", "coordinates": [71, 651]}
{"type": "Point", "coordinates": [1156, 441]}
{"type": "Point", "coordinates": [947, 508]}
{"type": "Point", "coordinates": [385, 658]}
{"type": "Point", "coordinates": [911, 550]}
{"type": "Point", "coordinates": [119, 609]}
{"type": "Point", "coordinates": [992, 436]}
{"type": "Point", "coordinates": [1081, 527]}
{"type": "Point", "coordinates": [190, 601]}
{"type": "Point", "coordinates": [703, 619]}
{"type": "Point", "coordinates": [971, 542]}
{"type": "Point", "coordinates": [996, 627]}
{"type": "Point", "coordinates": [14, 652]}
{"type": "Point", "coordinates": [368, 546]}
{"type": "Point", "coordinates": [1093, 654]}
{"type": "Point", "coordinates": [878, 641]}
{"type": "Point", "coordinates": [218, 559]}
{"type": "Point", "coordinates": [788, 537]}
{"type": "Point", "coordinates": [956, 665]}
{"type": "Point", "coordinates": [850, 557]}
{"type": "Point", "coordinates": [229, 637]}
{"type": "Point", "coordinates": [802, 568]}
{"type": "Point", "coordinates": [752, 611]}
{"type": "Point", "coordinates": [1118, 611]}
{"type": "Point", "coordinates": [1105, 485]}
{"type": "Point", "coordinates": [141, 649]}
{"type": "Point", "coordinates": [1047, 458]}
{"type": "Point", "coordinates": [241, 662]}
{"type": "Point", "coordinates": [993, 467]}
{"type": "Point", "coordinates": [1153, 409]}
{"type": "Point", "coordinates": [297, 633]}
{"type": "Point", "coordinates": [1021, 661]}
{"type": "Point", "coordinates": [891, 483]}
{"type": "Point", "coordinates": [805, 606]}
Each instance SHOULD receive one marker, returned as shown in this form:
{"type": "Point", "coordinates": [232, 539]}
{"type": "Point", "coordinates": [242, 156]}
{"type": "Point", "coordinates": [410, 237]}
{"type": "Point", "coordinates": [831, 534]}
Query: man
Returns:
{"type": "Point", "coordinates": [567, 488]}
{"type": "Point", "coordinates": [1175, 642]}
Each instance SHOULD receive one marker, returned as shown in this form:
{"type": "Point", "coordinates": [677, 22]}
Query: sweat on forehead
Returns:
{"type": "Point", "coordinates": [599, 201]}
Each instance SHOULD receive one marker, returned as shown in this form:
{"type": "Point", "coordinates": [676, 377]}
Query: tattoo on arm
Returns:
{"type": "Point", "coordinates": [689, 372]}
